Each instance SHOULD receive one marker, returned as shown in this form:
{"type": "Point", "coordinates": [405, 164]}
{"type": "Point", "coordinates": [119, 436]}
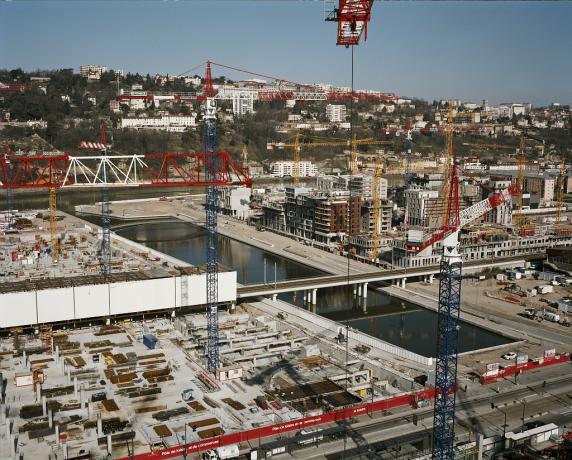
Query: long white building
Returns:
{"type": "Point", "coordinates": [286, 169]}
{"type": "Point", "coordinates": [171, 123]}
{"type": "Point", "coordinates": [27, 303]}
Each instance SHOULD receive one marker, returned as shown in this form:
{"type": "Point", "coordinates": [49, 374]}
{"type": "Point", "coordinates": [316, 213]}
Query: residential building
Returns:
{"type": "Point", "coordinates": [170, 123]}
{"type": "Point", "coordinates": [92, 72]}
{"type": "Point", "coordinates": [336, 113]}
{"type": "Point", "coordinates": [235, 201]}
{"type": "Point", "coordinates": [286, 169]}
{"type": "Point", "coordinates": [416, 204]}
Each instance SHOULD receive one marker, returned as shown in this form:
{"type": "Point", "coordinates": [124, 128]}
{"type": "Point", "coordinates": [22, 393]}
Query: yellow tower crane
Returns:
{"type": "Point", "coordinates": [297, 146]}
{"type": "Point", "coordinates": [53, 224]}
{"type": "Point", "coordinates": [376, 196]}
{"type": "Point", "coordinates": [245, 160]}
{"type": "Point", "coordinates": [559, 227]}
{"type": "Point", "coordinates": [522, 224]}
{"type": "Point", "coordinates": [355, 143]}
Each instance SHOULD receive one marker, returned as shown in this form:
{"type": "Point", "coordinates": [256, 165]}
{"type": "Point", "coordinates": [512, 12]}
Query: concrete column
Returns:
{"type": "Point", "coordinates": [75, 387]}
{"type": "Point", "coordinates": [50, 418]}
{"type": "Point", "coordinates": [355, 289]}
{"type": "Point", "coordinates": [58, 436]}
{"type": "Point", "coordinates": [314, 296]}
{"type": "Point", "coordinates": [364, 291]}
{"type": "Point", "coordinates": [274, 297]}
{"type": "Point", "coordinates": [38, 392]}
{"type": "Point", "coordinates": [359, 290]}
{"type": "Point", "coordinates": [109, 446]}
{"type": "Point", "coordinates": [44, 406]}
{"type": "Point", "coordinates": [304, 297]}
{"type": "Point", "coordinates": [69, 375]}
{"type": "Point", "coordinates": [12, 440]}
{"type": "Point", "coordinates": [65, 450]}
{"type": "Point", "coordinates": [232, 307]}
{"type": "Point", "coordinates": [99, 426]}
{"type": "Point", "coordinates": [403, 280]}
{"type": "Point", "coordinates": [57, 353]}
{"type": "Point", "coordinates": [480, 439]}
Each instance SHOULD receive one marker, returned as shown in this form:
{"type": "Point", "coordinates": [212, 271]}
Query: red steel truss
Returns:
{"type": "Point", "coordinates": [353, 17]}
{"type": "Point", "coordinates": [169, 169]}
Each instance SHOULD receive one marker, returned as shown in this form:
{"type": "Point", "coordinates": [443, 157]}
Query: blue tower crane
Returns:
{"type": "Point", "coordinates": [448, 326]}
{"type": "Point", "coordinates": [211, 208]}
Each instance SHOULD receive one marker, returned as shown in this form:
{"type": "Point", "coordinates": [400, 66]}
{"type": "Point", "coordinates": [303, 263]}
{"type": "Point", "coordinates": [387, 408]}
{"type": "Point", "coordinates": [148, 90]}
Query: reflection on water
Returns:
{"type": "Point", "coordinates": [393, 320]}
{"type": "Point", "coordinates": [188, 242]}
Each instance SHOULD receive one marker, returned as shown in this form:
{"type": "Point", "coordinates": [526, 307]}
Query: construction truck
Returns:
{"type": "Point", "coordinates": [222, 453]}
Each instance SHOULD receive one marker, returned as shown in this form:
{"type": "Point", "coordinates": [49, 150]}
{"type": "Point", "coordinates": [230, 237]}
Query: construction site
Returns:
{"type": "Point", "coordinates": [112, 349]}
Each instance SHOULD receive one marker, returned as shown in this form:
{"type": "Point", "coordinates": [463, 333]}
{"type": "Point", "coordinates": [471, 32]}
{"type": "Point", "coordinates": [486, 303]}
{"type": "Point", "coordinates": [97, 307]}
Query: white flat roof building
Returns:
{"type": "Point", "coordinates": [171, 123]}
{"type": "Point", "coordinates": [286, 169]}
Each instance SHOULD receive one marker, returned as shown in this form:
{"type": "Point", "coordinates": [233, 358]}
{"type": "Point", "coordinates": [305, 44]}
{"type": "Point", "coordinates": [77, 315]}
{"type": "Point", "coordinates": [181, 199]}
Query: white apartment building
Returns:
{"type": "Point", "coordinates": [235, 201]}
{"type": "Point", "coordinates": [242, 98]}
{"type": "Point", "coordinates": [170, 123]}
{"type": "Point", "coordinates": [286, 169]}
{"type": "Point", "coordinates": [416, 205]}
{"type": "Point", "coordinates": [92, 72]}
{"type": "Point", "coordinates": [336, 113]}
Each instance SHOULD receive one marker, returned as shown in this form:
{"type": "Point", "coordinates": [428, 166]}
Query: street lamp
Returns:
{"type": "Point", "coordinates": [504, 425]}
{"type": "Point", "coordinates": [523, 409]}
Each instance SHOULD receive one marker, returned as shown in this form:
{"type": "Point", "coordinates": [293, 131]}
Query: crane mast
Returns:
{"type": "Point", "coordinates": [211, 209]}
{"type": "Point", "coordinates": [376, 197]}
{"type": "Point", "coordinates": [449, 309]}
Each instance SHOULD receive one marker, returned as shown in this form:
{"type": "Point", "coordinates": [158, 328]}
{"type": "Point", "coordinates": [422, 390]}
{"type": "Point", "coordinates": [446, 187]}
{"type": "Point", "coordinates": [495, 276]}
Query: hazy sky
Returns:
{"type": "Point", "coordinates": [501, 51]}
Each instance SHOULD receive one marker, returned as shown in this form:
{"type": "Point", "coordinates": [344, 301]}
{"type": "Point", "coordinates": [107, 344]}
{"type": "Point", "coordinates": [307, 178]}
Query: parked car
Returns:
{"type": "Point", "coordinates": [510, 355]}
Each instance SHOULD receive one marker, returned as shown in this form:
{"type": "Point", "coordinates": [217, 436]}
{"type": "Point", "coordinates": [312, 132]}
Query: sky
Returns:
{"type": "Point", "coordinates": [494, 50]}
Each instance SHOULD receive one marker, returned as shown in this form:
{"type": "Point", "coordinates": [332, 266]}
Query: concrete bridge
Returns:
{"type": "Point", "coordinates": [359, 281]}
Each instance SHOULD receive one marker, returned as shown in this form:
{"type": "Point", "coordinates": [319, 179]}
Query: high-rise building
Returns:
{"type": "Point", "coordinates": [336, 113]}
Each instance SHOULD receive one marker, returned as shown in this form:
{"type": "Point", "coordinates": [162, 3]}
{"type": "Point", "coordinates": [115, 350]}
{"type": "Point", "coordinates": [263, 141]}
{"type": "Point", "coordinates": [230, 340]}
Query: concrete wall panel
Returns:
{"type": "Point", "coordinates": [91, 301]}
{"type": "Point", "coordinates": [134, 296]}
{"type": "Point", "coordinates": [18, 309]}
{"type": "Point", "coordinates": [55, 305]}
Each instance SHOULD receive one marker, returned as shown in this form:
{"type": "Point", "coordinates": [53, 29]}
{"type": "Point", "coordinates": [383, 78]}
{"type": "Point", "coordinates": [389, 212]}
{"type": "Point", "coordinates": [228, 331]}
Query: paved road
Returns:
{"type": "Point", "coordinates": [550, 403]}
{"type": "Point", "coordinates": [380, 275]}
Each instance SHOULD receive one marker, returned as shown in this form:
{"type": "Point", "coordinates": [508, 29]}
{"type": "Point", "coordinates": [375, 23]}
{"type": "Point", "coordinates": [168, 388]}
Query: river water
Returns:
{"type": "Point", "coordinates": [401, 323]}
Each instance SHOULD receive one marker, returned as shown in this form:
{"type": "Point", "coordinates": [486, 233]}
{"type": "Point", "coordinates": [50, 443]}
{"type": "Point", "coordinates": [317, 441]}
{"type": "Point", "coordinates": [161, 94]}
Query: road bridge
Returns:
{"type": "Point", "coordinates": [360, 280]}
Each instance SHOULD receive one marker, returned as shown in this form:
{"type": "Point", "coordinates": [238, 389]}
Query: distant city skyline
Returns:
{"type": "Point", "coordinates": [499, 51]}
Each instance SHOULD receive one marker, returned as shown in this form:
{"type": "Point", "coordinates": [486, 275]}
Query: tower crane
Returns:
{"type": "Point", "coordinates": [211, 208]}
{"type": "Point", "coordinates": [352, 17]}
{"type": "Point", "coordinates": [355, 143]}
{"type": "Point", "coordinates": [105, 249]}
{"type": "Point", "coordinates": [450, 306]}
{"type": "Point", "coordinates": [523, 226]}
{"type": "Point", "coordinates": [297, 146]}
{"type": "Point", "coordinates": [376, 197]}
{"type": "Point", "coordinates": [245, 160]}
{"type": "Point", "coordinates": [560, 195]}
{"type": "Point", "coordinates": [9, 192]}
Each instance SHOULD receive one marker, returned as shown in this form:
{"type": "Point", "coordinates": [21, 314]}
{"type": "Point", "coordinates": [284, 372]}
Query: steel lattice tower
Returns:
{"type": "Point", "coordinates": [105, 224]}
{"type": "Point", "coordinates": [446, 365]}
{"type": "Point", "coordinates": [105, 221]}
{"type": "Point", "coordinates": [211, 207]}
{"type": "Point", "coordinates": [448, 329]}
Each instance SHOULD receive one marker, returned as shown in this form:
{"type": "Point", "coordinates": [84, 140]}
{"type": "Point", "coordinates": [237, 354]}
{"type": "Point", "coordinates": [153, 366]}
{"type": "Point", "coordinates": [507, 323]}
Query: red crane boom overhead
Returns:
{"type": "Point", "coordinates": [466, 216]}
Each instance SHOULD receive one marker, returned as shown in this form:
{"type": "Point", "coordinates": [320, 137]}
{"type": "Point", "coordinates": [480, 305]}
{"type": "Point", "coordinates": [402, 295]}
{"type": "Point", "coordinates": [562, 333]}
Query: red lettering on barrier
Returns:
{"type": "Point", "coordinates": [256, 433]}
